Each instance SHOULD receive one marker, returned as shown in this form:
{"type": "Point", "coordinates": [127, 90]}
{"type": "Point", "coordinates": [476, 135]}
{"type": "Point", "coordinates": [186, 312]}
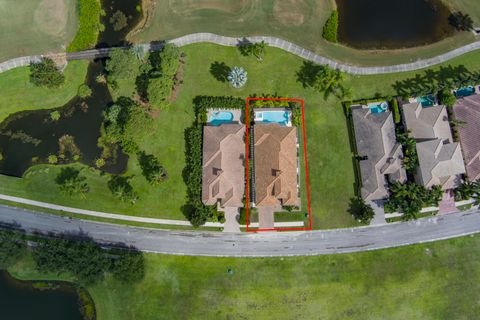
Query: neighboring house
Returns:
{"type": "Point", "coordinates": [467, 110]}
{"type": "Point", "coordinates": [425, 123]}
{"type": "Point", "coordinates": [440, 159]}
{"type": "Point", "coordinates": [275, 161]}
{"type": "Point", "coordinates": [376, 142]}
{"type": "Point", "coordinates": [223, 178]}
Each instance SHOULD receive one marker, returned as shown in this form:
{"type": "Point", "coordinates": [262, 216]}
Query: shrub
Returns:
{"type": "Point", "coordinates": [330, 28]}
{"type": "Point", "coordinates": [159, 90]}
{"type": "Point", "coordinates": [396, 111]}
{"type": "Point", "coordinates": [52, 159]}
{"type": "Point", "coordinates": [166, 61]}
{"type": "Point", "coordinates": [129, 266]}
{"type": "Point", "coordinates": [118, 20]}
{"type": "Point", "coordinates": [89, 25]}
{"type": "Point", "coordinates": [100, 162]}
{"type": "Point", "coordinates": [12, 247]}
{"type": "Point", "coordinates": [67, 146]}
{"type": "Point", "coordinates": [361, 210]}
{"type": "Point", "coordinates": [256, 49]}
{"type": "Point", "coordinates": [55, 115]}
{"type": "Point", "coordinates": [237, 77]}
{"type": "Point", "coordinates": [46, 74]}
{"type": "Point", "coordinates": [84, 91]}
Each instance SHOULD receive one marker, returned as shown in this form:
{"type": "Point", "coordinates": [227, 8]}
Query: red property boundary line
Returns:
{"type": "Point", "coordinates": [247, 148]}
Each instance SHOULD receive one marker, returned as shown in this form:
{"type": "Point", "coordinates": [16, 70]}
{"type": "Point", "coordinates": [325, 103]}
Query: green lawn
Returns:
{"type": "Point", "coordinates": [18, 93]}
{"type": "Point", "coordinates": [438, 280]}
{"type": "Point", "coordinates": [329, 155]}
{"type": "Point", "coordinates": [298, 21]}
{"type": "Point", "coordinates": [36, 27]}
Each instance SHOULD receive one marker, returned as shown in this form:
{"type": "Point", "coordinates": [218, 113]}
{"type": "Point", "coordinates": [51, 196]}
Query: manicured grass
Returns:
{"type": "Point", "coordinates": [330, 158]}
{"type": "Point", "coordinates": [36, 27]}
{"type": "Point", "coordinates": [19, 94]}
{"type": "Point", "coordinates": [298, 21]}
{"type": "Point", "coordinates": [438, 280]}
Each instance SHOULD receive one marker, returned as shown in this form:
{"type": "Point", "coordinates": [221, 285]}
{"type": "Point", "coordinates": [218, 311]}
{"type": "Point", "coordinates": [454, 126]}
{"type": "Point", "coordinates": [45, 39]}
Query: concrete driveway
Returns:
{"type": "Point", "coordinates": [231, 222]}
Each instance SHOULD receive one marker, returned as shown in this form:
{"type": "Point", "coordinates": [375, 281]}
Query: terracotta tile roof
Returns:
{"type": "Point", "coordinates": [223, 177]}
{"type": "Point", "coordinates": [275, 165]}
{"type": "Point", "coordinates": [467, 109]}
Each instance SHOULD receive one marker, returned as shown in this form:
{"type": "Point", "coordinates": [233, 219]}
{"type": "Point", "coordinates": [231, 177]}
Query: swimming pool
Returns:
{"type": "Point", "coordinates": [273, 116]}
{"type": "Point", "coordinates": [220, 117]}
{"type": "Point", "coordinates": [426, 101]}
{"type": "Point", "coordinates": [378, 107]}
{"type": "Point", "coordinates": [464, 92]}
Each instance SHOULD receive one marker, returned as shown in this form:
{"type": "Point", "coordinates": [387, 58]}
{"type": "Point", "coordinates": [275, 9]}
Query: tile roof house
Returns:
{"type": "Point", "coordinates": [275, 161]}
{"type": "Point", "coordinates": [376, 141]}
{"type": "Point", "coordinates": [223, 178]}
{"type": "Point", "coordinates": [467, 109]}
{"type": "Point", "coordinates": [440, 159]}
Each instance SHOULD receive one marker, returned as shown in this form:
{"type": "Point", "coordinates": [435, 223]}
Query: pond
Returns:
{"type": "Point", "coordinates": [30, 137]}
{"type": "Point", "coordinates": [391, 24]}
{"type": "Point", "coordinates": [21, 300]}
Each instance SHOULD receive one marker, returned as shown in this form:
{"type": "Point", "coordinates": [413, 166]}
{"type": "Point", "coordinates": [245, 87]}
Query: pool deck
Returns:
{"type": "Point", "coordinates": [237, 114]}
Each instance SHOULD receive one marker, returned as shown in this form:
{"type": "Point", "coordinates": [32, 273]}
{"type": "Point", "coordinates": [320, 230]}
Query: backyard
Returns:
{"type": "Point", "coordinates": [439, 280]}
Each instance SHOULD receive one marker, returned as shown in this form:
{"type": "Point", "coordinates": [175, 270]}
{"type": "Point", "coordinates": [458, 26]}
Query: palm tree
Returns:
{"type": "Point", "coordinates": [461, 21]}
{"type": "Point", "coordinates": [237, 77]}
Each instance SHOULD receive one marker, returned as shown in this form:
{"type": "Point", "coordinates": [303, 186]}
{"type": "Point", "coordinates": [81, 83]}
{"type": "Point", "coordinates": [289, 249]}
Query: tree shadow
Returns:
{"type": "Point", "coordinates": [220, 71]}
{"type": "Point", "coordinates": [355, 207]}
{"type": "Point", "coordinates": [308, 73]}
{"type": "Point", "coordinates": [242, 46]}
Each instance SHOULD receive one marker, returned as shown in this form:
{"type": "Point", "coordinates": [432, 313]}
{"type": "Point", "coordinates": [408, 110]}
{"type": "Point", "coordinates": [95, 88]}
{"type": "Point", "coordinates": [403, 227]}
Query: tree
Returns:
{"type": "Point", "coordinates": [119, 20]}
{"type": "Point", "coordinates": [461, 21]}
{"type": "Point", "coordinates": [46, 74]}
{"type": "Point", "coordinates": [84, 91]}
{"type": "Point", "coordinates": [237, 77]}
{"type": "Point", "coordinates": [70, 182]}
{"type": "Point", "coordinates": [166, 61]}
{"type": "Point", "coordinates": [12, 247]}
{"type": "Point", "coordinates": [129, 266]}
{"type": "Point", "coordinates": [256, 49]}
{"type": "Point", "coordinates": [159, 90]}
{"type": "Point", "coordinates": [361, 210]}
{"type": "Point", "coordinates": [52, 159]}
{"type": "Point", "coordinates": [123, 64]}
{"type": "Point", "coordinates": [467, 190]}
{"type": "Point", "coordinates": [447, 98]}
{"type": "Point", "coordinates": [122, 189]}
{"type": "Point", "coordinates": [410, 156]}
{"type": "Point", "coordinates": [152, 170]}
{"type": "Point", "coordinates": [330, 28]}
{"type": "Point", "coordinates": [330, 81]}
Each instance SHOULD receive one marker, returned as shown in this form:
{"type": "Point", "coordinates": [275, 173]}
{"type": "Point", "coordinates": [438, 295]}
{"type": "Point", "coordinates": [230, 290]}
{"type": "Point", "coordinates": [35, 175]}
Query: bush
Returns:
{"type": "Point", "coordinates": [166, 61]}
{"type": "Point", "coordinates": [396, 111]}
{"type": "Point", "coordinates": [55, 115]}
{"type": "Point", "coordinates": [84, 91]}
{"type": "Point", "coordinates": [330, 28]}
{"type": "Point", "coordinates": [100, 162]}
{"type": "Point", "coordinates": [46, 74]}
{"type": "Point", "coordinates": [123, 64]}
{"type": "Point", "coordinates": [118, 20]}
{"type": "Point", "coordinates": [89, 12]}
{"type": "Point", "coordinates": [52, 159]}
{"type": "Point", "coordinates": [129, 266]}
{"type": "Point", "coordinates": [159, 91]}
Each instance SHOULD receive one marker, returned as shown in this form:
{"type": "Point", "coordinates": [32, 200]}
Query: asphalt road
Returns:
{"type": "Point", "coordinates": [264, 244]}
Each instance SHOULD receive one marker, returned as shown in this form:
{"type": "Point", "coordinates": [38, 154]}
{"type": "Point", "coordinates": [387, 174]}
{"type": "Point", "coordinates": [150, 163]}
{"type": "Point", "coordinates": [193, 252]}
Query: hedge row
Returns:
{"type": "Point", "coordinates": [331, 27]}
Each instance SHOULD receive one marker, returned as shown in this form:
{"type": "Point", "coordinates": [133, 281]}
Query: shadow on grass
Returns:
{"type": "Point", "coordinates": [219, 71]}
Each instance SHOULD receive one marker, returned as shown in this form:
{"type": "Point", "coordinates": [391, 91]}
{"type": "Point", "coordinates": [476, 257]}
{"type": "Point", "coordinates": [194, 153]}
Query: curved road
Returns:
{"type": "Point", "coordinates": [271, 41]}
{"type": "Point", "coordinates": [265, 244]}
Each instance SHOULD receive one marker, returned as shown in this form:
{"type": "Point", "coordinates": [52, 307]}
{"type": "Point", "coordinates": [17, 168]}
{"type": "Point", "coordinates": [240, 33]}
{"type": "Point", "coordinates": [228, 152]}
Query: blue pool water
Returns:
{"type": "Point", "coordinates": [464, 92]}
{"type": "Point", "coordinates": [426, 101]}
{"type": "Point", "coordinates": [280, 117]}
{"type": "Point", "coordinates": [379, 107]}
{"type": "Point", "coordinates": [220, 117]}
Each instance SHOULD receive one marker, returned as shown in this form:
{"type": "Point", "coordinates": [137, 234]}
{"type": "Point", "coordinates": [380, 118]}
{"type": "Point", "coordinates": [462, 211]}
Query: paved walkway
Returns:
{"type": "Point", "coordinates": [265, 217]}
{"type": "Point", "coordinates": [379, 217]}
{"type": "Point", "coordinates": [231, 223]}
{"type": "Point", "coordinates": [447, 204]}
{"type": "Point", "coordinates": [271, 41]}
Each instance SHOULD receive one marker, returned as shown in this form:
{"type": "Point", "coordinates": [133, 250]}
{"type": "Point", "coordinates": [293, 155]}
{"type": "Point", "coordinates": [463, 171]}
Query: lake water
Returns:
{"type": "Point", "coordinates": [28, 138]}
{"type": "Point", "coordinates": [382, 24]}
{"type": "Point", "coordinates": [19, 300]}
